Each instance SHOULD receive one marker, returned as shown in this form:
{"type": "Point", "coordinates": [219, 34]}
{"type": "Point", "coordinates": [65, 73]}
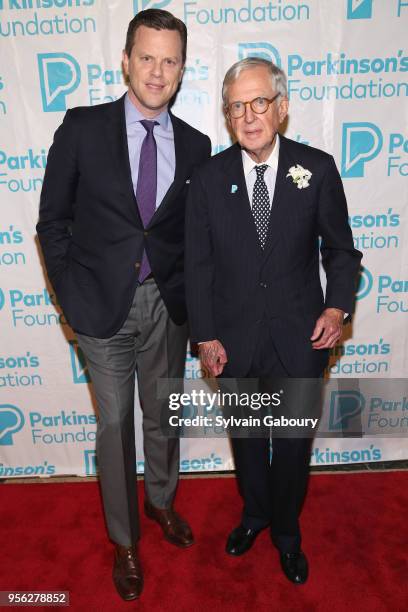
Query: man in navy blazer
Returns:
{"type": "Point", "coordinates": [255, 214]}
{"type": "Point", "coordinates": [112, 232]}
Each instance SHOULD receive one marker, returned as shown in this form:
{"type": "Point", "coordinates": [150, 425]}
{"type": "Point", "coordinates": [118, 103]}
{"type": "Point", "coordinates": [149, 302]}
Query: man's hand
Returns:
{"type": "Point", "coordinates": [328, 328]}
{"type": "Point", "coordinates": [213, 356]}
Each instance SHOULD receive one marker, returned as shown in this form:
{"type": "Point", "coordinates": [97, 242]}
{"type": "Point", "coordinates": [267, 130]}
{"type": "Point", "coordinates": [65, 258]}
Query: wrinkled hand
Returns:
{"type": "Point", "coordinates": [213, 357]}
{"type": "Point", "coordinates": [328, 328]}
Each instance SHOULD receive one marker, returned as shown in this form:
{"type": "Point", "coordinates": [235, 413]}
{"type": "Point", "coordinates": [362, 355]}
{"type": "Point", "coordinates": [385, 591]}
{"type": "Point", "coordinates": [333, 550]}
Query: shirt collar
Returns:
{"type": "Point", "coordinates": [272, 161]}
{"type": "Point", "coordinates": [133, 115]}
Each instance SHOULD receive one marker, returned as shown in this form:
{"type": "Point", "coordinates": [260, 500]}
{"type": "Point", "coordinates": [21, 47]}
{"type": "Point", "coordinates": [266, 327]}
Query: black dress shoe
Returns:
{"type": "Point", "coordinates": [295, 567]}
{"type": "Point", "coordinates": [240, 540]}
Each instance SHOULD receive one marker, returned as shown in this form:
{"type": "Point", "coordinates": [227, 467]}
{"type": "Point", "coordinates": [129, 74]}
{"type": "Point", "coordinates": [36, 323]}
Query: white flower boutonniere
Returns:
{"type": "Point", "coordinates": [300, 176]}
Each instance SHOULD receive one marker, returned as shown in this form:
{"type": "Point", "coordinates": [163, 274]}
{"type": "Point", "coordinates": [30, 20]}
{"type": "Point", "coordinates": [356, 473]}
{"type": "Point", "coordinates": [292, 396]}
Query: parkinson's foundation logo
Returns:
{"type": "Point", "coordinates": [60, 75]}
{"type": "Point", "coordinates": [364, 284]}
{"type": "Point", "coordinates": [389, 292]}
{"type": "Point", "coordinates": [140, 5]}
{"type": "Point", "coordinates": [79, 367]}
{"type": "Point", "coordinates": [27, 18]}
{"type": "Point", "coordinates": [361, 142]}
{"type": "Point", "coordinates": [11, 421]}
{"type": "Point", "coordinates": [359, 9]}
{"type": "Point", "coordinates": [28, 309]}
{"type": "Point", "coordinates": [345, 406]}
{"type": "Point", "coordinates": [263, 50]}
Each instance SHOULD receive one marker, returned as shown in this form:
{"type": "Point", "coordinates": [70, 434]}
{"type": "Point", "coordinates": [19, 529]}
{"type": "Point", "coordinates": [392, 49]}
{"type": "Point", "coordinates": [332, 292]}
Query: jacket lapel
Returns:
{"type": "Point", "coordinates": [236, 196]}
{"type": "Point", "coordinates": [118, 146]}
{"type": "Point", "coordinates": [180, 174]}
{"type": "Point", "coordinates": [280, 196]}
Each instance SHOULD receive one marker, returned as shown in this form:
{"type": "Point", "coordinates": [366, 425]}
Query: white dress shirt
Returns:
{"type": "Point", "coordinates": [164, 137]}
{"type": "Point", "coordinates": [270, 173]}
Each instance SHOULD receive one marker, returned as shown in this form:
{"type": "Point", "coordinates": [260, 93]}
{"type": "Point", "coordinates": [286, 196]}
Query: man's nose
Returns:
{"type": "Point", "coordinates": [157, 69]}
{"type": "Point", "coordinates": [249, 113]}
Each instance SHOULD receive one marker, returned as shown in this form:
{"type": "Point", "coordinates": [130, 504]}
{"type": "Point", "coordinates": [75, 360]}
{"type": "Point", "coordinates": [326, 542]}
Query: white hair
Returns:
{"type": "Point", "coordinates": [278, 77]}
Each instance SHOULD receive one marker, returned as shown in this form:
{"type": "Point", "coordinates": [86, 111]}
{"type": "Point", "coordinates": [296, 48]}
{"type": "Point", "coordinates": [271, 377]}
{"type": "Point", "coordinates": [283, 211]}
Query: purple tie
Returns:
{"type": "Point", "coordinates": [146, 189]}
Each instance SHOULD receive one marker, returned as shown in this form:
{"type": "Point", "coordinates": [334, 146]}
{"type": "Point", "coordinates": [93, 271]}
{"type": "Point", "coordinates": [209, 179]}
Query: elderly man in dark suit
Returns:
{"type": "Point", "coordinates": [255, 214]}
{"type": "Point", "coordinates": [112, 232]}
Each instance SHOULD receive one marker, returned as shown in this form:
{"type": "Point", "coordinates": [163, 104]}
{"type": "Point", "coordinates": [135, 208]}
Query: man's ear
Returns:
{"type": "Point", "coordinates": [125, 63]}
{"type": "Point", "coordinates": [283, 109]}
{"type": "Point", "coordinates": [182, 73]}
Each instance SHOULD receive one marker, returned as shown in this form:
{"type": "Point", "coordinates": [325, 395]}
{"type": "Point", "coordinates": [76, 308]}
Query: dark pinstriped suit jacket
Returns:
{"type": "Point", "coordinates": [233, 286]}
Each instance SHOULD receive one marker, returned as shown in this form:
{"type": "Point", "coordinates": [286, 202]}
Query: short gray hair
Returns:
{"type": "Point", "coordinates": [278, 77]}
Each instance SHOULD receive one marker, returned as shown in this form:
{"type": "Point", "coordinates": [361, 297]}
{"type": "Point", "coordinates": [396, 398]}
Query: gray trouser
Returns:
{"type": "Point", "coordinates": [151, 344]}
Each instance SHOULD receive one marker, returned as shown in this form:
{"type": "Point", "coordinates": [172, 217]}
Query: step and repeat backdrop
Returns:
{"type": "Point", "coordinates": [347, 64]}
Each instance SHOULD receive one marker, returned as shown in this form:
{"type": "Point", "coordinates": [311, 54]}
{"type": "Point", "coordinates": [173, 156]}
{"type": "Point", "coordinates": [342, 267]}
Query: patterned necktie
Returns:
{"type": "Point", "coordinates": [260, 204]}
{"type": "Point", "coordinates": [146, 189]}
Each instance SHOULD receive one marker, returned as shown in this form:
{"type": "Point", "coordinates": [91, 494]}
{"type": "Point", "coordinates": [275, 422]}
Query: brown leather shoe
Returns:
{"type": "Point", "coordinates": [176, 530]}
{"type": "Point", "coordinates": [127, 573]}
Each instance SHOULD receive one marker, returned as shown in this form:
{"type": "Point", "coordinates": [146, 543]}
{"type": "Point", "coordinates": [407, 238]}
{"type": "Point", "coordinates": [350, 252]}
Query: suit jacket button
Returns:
{"type": "Point", "coordinates": [146, 233]}
{"type": "Point", "coordinates": [137, 265]}
{"type": "Point", "coordinates": [264, 285]}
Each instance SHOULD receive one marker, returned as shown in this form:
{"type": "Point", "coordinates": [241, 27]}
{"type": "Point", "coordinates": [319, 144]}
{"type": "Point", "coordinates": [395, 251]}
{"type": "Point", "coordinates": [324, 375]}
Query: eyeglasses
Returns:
{"type": "Point", "coordinates": [258, 105]}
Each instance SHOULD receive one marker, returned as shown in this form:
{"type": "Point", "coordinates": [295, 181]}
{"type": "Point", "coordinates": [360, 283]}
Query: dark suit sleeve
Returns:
{"type": "Point", "coordinates": [199, 264]}
{"type": "Point", "coordinates": [58, 197]}
{"type": "Point", "coordinates": [207, 149]}
{"type": "Point", "coordinates": [341, 260]}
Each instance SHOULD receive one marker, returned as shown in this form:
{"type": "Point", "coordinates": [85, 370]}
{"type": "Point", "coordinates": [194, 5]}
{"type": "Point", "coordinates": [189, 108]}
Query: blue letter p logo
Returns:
{"type": "Point", "coordinates": [259, 49]}
{"type": "Point", "coordinates": [60, 75]}
{"type": "Point", "coordinates": [140, 5]}
{"type": "Point", "coordinates": [11, 421]}
{"type": "Point", "coordinates": [344, 405]}
{"type": "Point", "coordinates": [361, 142]}
{"type": "Point", "coordinates": [365, 283]}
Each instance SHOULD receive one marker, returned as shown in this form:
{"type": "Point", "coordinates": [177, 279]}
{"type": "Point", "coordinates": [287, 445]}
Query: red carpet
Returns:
{"type": "Point", "coordinates": [355, 532]}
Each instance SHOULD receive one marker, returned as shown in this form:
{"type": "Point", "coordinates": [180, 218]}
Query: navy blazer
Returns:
{"type": "Point", "coordinates": [90, 229]}
{"type": "Point", "coordinates": [233, 286]}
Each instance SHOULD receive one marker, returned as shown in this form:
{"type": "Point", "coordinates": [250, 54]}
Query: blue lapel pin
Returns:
{"type": "Point", "coordinates": [234, 188]}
